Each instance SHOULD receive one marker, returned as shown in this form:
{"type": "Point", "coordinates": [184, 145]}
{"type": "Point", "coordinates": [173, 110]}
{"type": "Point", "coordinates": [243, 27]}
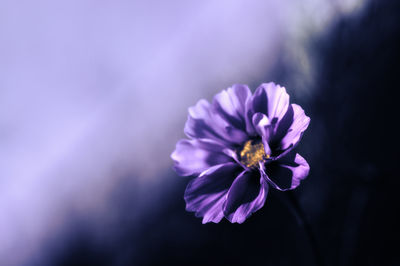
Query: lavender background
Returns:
{"type": "Point", "coordinates": [94, 96]}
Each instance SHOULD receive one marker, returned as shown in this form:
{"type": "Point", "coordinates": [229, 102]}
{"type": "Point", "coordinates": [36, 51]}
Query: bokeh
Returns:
{"type": "Point", "coordinates": [94, 96]}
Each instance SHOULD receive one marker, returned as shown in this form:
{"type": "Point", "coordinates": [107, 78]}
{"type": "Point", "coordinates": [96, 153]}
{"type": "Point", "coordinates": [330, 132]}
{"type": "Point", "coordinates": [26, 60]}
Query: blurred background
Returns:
{"type": "Point", "coordinates": [94, 96]}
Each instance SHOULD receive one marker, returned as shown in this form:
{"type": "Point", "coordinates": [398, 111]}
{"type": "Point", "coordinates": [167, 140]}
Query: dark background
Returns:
{"type": "Point", "coordinates": [350, 197]}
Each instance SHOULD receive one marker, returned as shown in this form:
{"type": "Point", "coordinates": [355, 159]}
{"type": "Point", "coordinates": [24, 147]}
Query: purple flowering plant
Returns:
{"type": "Point", "coordinates": [240, 145]}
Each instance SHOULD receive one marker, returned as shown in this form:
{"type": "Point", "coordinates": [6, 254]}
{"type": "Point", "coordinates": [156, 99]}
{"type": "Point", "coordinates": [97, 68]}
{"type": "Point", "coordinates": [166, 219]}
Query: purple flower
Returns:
{"type": "Point", "coordinates": [240, 145]}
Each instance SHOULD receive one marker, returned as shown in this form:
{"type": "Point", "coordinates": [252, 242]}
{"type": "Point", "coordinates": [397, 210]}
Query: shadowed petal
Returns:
{"type": "Point", "coordinates": [230, 105]}
{"type": "Point", "coordinates": [249, 112]}
{"type": "Point", "coordinates": [246, 195]}
{"type": "Point", "coordinates": [282, 127]}
{"type": "Point", "coordinates": [262, 125]}
{"type": "Point", "coordinates": [297, 128]}
{"type": "Point", "coordinates": [203, 123]}
{"type": "Point", "coordinates": [195, 156]}
{"type": "Point", "coordinates": [198, 123]}
{"type": "Point", "coordinates": [287, 172]}
{"type": "Point", "coordinates": [264, 128]}
{"type": "Point", "coordinates": [234, 135]}
{"type": "Point", "coordinates": [269, 99]}
{"type": "Point", "coordinates": [206, 194]}
{"type": "Point", "coordinates": [272, 100]}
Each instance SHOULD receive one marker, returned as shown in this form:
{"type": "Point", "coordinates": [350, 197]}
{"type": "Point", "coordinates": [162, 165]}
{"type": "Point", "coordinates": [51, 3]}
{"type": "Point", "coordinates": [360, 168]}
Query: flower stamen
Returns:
{"type": "Point", "coordinates": [253, 152]}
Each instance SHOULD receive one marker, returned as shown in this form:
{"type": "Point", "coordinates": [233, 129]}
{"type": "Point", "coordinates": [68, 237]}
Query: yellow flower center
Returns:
{"type": "Point", "coordinates": [252, 152]}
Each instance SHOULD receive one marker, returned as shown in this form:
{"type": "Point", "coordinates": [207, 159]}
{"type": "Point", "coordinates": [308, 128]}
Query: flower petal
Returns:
{"type": "Point", "coordinates": [287, 172]}
{"type": "Point", "coordinates": [195, 156]}
{"type": "Point", "coordinates": [203, 123]}
{"type": "Point", "coordinates": [262, 125]}
{"type": "Point", "coordinates": [197, 125]}
{"type": "Point", "coordinates": [297, 128]}
{"type": "Point", "coordinates": [264, 128]}
{"type": "Point", "coordinates": [206, 194]}
{"type": "Point", "coordinates": [230, 105]}
{"type": "Point", "coordinates": [269, 99]}
{"type": "Point", "coordinates": [246, 195]}
{"type": "Point", "coordinates": [282, 127]}
{"type": "Point", "coordinates": [272, 100]}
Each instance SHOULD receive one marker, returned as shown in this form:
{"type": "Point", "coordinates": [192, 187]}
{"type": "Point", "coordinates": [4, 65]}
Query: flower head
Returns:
{"type": "Point", "coordinates": [240, 145]}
